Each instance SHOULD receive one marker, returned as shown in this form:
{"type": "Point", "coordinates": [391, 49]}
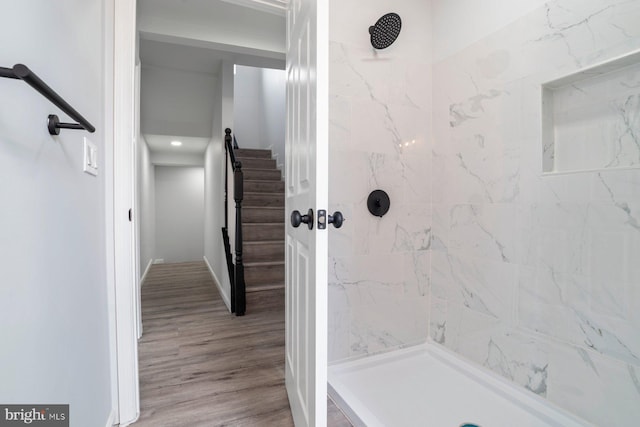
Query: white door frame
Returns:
{"type": "Point", "coordinates": [119, 197]}
{"type": "Point", "coordinates": [136, 201]}
{"type": "Point", "coordinates": [119, 194]}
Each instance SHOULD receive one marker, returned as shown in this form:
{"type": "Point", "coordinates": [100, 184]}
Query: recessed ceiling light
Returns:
{"type": "Point", "coordinates": [176, 143]}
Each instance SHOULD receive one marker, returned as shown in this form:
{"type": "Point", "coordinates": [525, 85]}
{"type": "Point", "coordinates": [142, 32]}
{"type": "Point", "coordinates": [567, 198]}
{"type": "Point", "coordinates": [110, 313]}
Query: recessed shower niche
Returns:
{"type": "Point", "coordinates": [591, 118]}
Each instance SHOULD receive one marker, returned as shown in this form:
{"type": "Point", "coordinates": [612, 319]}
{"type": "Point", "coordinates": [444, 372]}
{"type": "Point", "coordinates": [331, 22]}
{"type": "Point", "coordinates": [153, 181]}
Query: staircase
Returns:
{"type": "Point", "coordinates": [262, 221]}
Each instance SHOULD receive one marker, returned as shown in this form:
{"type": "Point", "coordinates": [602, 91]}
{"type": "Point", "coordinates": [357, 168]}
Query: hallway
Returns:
{"type": "Point", "coordinates": [202, 366]}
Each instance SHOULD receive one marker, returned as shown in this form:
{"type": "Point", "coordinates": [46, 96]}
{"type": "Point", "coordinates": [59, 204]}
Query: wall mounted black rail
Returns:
{"type": "Point", "coordinates": [236, 272]}
{"type": "Point", "coordinates": [22, 72]}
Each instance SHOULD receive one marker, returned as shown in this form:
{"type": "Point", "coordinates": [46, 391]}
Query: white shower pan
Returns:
{"type": "Point", "coordinates": [428, 386]}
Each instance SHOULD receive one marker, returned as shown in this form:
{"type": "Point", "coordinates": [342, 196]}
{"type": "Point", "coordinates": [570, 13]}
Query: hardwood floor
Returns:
{"type": "Point", "coordinates": [201, 366]}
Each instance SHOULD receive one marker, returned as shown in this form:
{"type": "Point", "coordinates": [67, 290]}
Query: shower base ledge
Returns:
{"type": "Point", "coordinates": [430, 386]}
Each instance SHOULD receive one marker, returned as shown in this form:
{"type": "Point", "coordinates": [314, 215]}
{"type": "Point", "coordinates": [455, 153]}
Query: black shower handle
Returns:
{"type": "Point", "coordinates": [297, 219]}
{"type": "Point", "coordinates": [336, 219]}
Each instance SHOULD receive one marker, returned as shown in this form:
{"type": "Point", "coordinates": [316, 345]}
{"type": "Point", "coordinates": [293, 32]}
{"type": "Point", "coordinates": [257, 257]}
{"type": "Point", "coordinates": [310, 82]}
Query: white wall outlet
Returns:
{"type": "Point", "coordinates": [90, 158]}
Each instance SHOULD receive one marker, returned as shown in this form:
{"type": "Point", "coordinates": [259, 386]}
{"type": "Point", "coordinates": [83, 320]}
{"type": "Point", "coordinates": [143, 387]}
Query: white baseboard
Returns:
{"type": "Point", "coordinates": [130, 422]}
{"type": "Point", "coordinates": [158, 261]}
{"type": "Point", "coordinates": [146, 271]}
{"type": "Point", "coordinates": [223, 294]}
{"type": "Point", "coordinates": [111, 421]}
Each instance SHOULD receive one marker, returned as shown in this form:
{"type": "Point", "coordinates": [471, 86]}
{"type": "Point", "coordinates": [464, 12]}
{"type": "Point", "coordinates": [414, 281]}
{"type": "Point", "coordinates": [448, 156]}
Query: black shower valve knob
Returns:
{"type": "Point", "coordinates": [378, 203]}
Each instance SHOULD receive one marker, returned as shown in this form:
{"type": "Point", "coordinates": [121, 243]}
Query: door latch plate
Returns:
{"type": "Point", "coordinates": [322, 220]}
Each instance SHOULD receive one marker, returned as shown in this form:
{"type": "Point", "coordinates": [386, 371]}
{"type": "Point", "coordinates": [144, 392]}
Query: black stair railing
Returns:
{"type": "Point", "coordinates": [236, 271]}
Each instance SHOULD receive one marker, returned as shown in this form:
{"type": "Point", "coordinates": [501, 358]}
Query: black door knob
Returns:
{"type": "Point", "coordinates": [297, 219]}
{"type": "Point", "coordinates": [336, 219]}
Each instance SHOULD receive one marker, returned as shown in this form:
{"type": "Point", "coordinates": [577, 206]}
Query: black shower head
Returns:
{"type": "Point", "coordinates": [385, 31]}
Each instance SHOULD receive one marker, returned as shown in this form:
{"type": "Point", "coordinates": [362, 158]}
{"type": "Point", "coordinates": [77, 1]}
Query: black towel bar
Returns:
{"type": "Point", "coordinates": [22, 72]}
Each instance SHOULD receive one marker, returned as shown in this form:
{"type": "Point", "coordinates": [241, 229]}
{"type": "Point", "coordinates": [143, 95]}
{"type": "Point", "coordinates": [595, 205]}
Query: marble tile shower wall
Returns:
{"type": "Point", "coordinates": [534, 276]}
{"type": "Point", "coordinates": [379, 139]}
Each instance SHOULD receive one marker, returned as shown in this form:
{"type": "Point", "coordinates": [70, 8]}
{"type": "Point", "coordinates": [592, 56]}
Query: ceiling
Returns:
{"type": "Point", "coordinates": [162, 144]}
{"type": "Point", "coordinates": [181, 43]}
{"type": "Point", "coordinates": [180, 57]}
{"type": "Point", "coordinates": [277, 7]}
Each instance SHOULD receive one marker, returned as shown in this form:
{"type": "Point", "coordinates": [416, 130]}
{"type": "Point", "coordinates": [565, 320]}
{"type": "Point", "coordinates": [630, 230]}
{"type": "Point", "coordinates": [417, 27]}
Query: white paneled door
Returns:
{"type": "Point", "coordinates": [306, 192]}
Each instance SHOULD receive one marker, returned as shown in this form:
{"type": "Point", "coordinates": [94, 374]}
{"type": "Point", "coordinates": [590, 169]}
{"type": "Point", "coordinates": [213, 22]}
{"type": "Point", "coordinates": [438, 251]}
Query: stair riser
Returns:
{"type": "Point", "coordinates": [263, 253]}
{"type": "Point", "coordinates": [263, 186]}
{"type": "Point", "coordinates": [257, 163]}
{"type": "Point", "coordinates": [248, 152]}
{"type": "Point", "coordinates": [275, 200]}
{"type": "Point", "coordinates": [262, 215]}
{"type": "Point", "coordinates": [260, 232]}
{"type": "Point", "coordinates": [259, 174]}
{"type": "Point", "coordinates": [258, 275]}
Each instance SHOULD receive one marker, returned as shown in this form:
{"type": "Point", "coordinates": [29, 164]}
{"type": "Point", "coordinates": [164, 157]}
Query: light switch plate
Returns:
{"type": "Point", "coordinates": [90, 158]}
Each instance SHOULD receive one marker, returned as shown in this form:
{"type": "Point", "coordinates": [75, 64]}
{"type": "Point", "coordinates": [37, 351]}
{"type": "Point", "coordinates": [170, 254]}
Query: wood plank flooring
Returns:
{"type": "Point", "coordinates": [201, 366]}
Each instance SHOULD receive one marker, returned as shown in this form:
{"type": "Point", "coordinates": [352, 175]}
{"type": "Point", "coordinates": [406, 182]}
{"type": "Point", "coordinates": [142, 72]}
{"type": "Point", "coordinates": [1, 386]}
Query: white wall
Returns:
{"type": "Point", "coordinates": [227, 90]}
{"type": "Point", "coordinates": [179, 194]}
{"type": "Point", "coordinates": [214, 193]}
{"type": "Point", "coordinates": [248, 116]}
{"type": "Point", "coordinates": [260, 108]}
{"type": "Point", "coordinates": [274, 98]}
{"type": "Point", "coordinates": [146, 200]}
{"type": "Point", "coordinates": [176, 102]}
{"type": "Point", "coordinates": [53, 291]}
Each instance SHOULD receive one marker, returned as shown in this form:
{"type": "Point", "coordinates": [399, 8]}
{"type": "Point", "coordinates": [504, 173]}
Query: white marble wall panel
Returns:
{"type": "Point", "coordinates": [536, 276]}
{"type": "Point", "coordinates": [440, 226]}
{"type": "Point", "coordinates": [378, 302]}
{"type": "Point", "coordinates": [593, 123]}
{"type": "Point", "coordinates": [483, 230]}
{"type": "Point", "coordinates": [530, 275]}
{"type": "Point", "coordinates": [577, 376]}
{"type": "Point", "coordinates": [339, 122]}
{"type": "Point", "coordinates": [380, 138]}
{"type": "Point", "coordinates": [475, 283]}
